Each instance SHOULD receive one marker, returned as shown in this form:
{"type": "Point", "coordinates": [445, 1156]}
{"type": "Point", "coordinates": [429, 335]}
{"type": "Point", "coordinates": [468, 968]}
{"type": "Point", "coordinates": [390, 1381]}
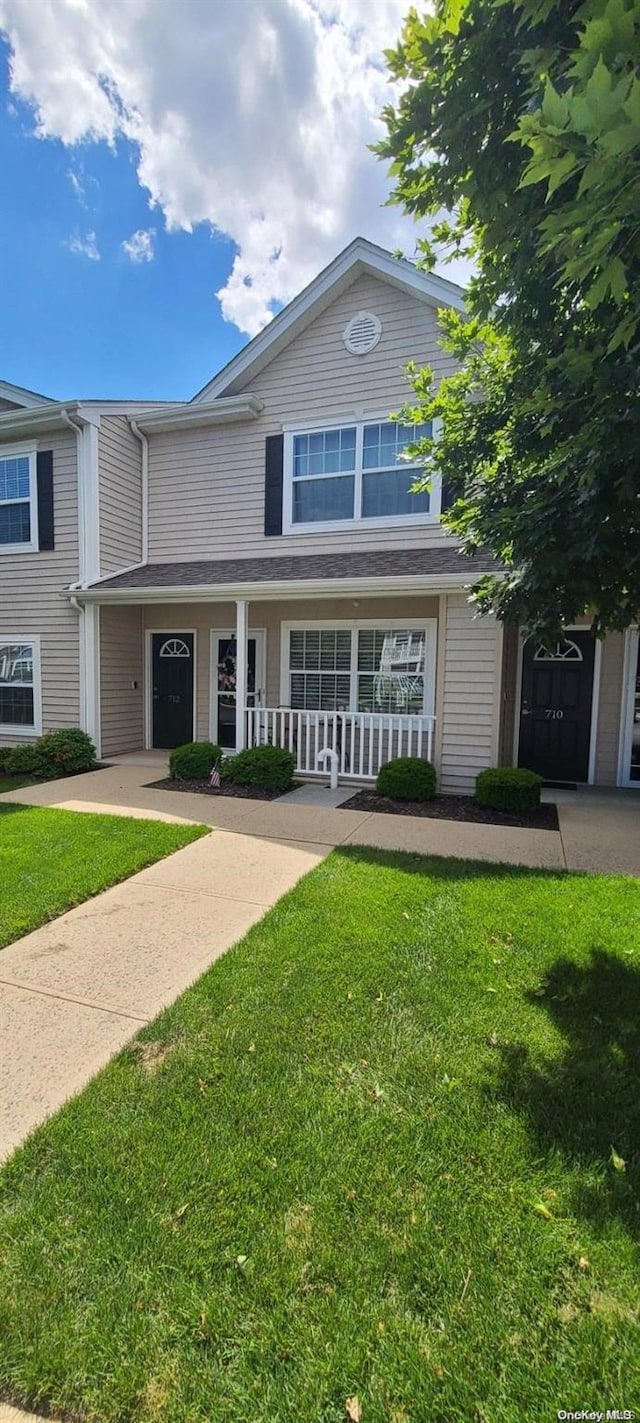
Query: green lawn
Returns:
{"type": "Point", "coordinates": [368, 1155]}
{"type": "Point", "coordinates": [15, 783]}
{"type": "Point", "coordinates": [53, 859]}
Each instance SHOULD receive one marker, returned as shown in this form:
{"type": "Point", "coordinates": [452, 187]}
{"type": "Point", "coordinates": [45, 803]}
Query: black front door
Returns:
{"type": "Point", "coordinates": [172, 681]}
{"type": "Point", "coordinates": [555, 716]}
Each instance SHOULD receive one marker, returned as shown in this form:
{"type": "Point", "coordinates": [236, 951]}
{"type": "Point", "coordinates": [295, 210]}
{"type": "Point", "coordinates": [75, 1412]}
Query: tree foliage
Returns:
{"type": "Point", "coordinates": [521, 118]}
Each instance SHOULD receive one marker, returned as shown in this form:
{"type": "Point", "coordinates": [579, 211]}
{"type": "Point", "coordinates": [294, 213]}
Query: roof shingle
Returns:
{"type": "Point", "coordinates": [314, 567]}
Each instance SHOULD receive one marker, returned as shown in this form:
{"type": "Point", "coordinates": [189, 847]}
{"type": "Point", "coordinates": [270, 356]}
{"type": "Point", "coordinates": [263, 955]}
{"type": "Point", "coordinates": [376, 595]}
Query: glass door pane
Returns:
{"type": "Point", "coordinates": [226, 670]}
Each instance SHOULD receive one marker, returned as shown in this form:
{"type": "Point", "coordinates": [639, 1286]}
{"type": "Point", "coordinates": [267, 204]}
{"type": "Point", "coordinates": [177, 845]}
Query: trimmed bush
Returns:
{"type": "Point", "coordinates": [508, 788]}
{"type": "Point", "coordinates": [407, 778]}
{"type": "Point", "coordinates": [19, 760]}
{"type": "Point", "coordinates": [194, 761]}
{"type": "Point", "coordinates": [268, 768]}
{"type": "Point", "coordinates": [64, 753]}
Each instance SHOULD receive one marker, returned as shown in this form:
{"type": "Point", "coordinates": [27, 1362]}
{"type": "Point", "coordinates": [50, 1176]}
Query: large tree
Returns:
{"type": "Point", "coordinates": [521, 118]}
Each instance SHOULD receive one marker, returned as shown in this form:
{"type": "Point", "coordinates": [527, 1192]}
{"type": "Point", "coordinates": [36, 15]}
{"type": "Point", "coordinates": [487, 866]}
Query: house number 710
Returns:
{"type": "Point", "coordinates": [554, 715]}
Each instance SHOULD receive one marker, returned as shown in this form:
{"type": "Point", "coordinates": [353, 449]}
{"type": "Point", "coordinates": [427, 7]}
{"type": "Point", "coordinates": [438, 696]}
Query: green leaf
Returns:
{"type": "Point", "coordinates": [618, 1162]}
{"type": "Point", "coordinates": [560, 171]}
{"type": "Point", "coordinates": [555, 106]}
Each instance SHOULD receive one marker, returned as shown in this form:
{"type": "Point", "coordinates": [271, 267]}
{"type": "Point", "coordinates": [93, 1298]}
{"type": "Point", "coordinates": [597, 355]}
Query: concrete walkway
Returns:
{"type": "Point", "coordinates": [73, 991]}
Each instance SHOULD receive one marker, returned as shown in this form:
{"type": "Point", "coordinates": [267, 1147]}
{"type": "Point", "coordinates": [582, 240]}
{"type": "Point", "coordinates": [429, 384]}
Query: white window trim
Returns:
{"type": "Point", "coordinates": [632, 638]}
{"type": "Point", "coordinates": [8, 452]}
{"type": "Point", "coordinates": [325, 526]}
{"type": "Point", "coordinates": [9, 728]}
{"type": "Point", "coordinates": [427, 625]}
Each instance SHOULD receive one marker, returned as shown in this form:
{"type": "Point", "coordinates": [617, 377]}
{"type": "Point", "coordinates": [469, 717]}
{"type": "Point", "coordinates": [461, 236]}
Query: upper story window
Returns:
{"type": "Point", "coordinates": [18, 509]}
{"type": "Point", "coordinates": [352, 474]}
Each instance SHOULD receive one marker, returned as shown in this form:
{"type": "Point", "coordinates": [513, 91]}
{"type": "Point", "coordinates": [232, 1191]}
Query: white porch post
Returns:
{"type": "Point", "coordinates": [241, 672]}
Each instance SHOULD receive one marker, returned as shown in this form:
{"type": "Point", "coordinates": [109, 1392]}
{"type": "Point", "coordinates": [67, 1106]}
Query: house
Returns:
{"type": "Point", "coordinates": [251, 565]}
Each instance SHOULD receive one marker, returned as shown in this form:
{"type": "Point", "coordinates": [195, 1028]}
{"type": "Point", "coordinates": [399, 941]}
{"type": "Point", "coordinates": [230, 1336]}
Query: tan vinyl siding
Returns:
{"type": "Point", "coordinates": [609, 708]}
{"type": "Point", "coordinates": [470, 709]}
{"type": "Point", "coordinates": [508, 695]}
{"type": "Point", "coordinates": [120, 494]}
{"type": "Point", "coordinates": [207, 486]}
{"type": "Point", "coordinates": [203, 617]}
{"type": "Point", "coordinates": [33, 594]}
{"type": "Point", "coordinates": [121, 664]}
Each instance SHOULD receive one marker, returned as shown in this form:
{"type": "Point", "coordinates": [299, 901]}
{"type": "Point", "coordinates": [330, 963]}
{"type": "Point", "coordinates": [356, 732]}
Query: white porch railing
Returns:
{"type": "Point", "coordinates": [364, 741]}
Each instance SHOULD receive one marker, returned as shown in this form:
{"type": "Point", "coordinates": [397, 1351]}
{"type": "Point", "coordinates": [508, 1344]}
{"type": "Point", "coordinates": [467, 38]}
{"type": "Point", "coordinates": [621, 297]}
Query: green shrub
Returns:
{"type": "Point", "coordinates": [63, 753]}
{"type": "Point", "coordinates": [269, 768]}
{"type": "Point", "coordinates": [407, 778]}
{"type": "Point", "coordinates": [194, 761]}
{"type": "Point", "coordinates": [508, 788]}
{"type": "Point", "coordinates": [19, 760]}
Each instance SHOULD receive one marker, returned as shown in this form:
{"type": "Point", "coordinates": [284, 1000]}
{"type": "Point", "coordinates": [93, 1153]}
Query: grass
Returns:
{"type": "Point", "coordinates": [367, 1155]}
{"type": "Point", "coordinates": [15, 783]}
{"type": "Point", "coordinates": [53, 859]}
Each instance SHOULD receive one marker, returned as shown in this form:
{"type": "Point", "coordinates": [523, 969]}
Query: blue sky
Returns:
{"type": "Point", "coordinates": [73, 327]}
{"type": "Point", "coordinates": [229, 140]}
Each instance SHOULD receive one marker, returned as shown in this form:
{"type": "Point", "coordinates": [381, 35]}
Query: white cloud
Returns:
{"type": "Point", "coordinates": [254, 118]}
{"type": "Point", "coordinates": [139, 246]}
{"type": "Point", "coordinates": [86, 246]}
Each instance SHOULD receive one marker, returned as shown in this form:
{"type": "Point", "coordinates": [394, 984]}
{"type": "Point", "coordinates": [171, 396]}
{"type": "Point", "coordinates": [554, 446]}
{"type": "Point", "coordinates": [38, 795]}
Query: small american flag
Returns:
{"type": "Point", "coordinates": [214, 778]}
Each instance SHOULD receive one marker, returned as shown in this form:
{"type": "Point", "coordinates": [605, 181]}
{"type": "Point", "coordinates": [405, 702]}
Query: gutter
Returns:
{"type": "Point", "coordinates": [45, 417]}
{"type": "Point", "coordinates": [214, 412]}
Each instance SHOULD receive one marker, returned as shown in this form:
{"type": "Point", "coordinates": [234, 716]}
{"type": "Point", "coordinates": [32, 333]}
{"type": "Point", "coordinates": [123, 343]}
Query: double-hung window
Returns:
{"type": "Point", "coordinates": [360, 669]}
{"type": "Point", "coordinates": [18, 505]}
{"type": "Point", "coordinates": [20, 713]}
{"type": "Point", "coordinates": [354, 474]}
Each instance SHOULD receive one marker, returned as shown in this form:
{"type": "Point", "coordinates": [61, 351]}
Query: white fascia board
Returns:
{"type": "Point", "coordinates": [360, 257]}
{"type": "Point", "coordinates": [275, 591]}
{"type": "Point", "coordinates": [219, 412]}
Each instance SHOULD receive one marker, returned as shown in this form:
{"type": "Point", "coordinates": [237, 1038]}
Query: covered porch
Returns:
{"type": "Point", "coordinates": [354, 671]}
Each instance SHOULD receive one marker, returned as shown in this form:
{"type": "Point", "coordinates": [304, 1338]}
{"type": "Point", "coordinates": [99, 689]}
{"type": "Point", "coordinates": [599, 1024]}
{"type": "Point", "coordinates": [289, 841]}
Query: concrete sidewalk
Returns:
{"type": "Point", "coordinates": [599, 829]}
{"type": "Point", "coordinates": [73, 991]}
{"type": "Point", "coordinates": [123, 788]}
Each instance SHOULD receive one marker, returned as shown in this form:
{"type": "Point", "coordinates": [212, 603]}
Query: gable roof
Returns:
{"type": "Point", "coordinates": [20, 396]}
{"type": "Point", "coordinates": [358, 258]}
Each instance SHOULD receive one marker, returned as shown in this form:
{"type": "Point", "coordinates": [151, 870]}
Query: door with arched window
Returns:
{"type": "Point", "coordinates": [555, 712]}
{"type": "Point", "coordinates": [172, 662]}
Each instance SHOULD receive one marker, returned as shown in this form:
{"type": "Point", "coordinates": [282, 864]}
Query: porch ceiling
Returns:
{"type": "Point", "coordinates": [391, 570]}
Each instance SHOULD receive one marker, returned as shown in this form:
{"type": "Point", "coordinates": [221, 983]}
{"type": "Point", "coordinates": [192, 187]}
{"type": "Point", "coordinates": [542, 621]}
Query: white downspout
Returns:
{"type": "Point", "coordinates": [135, 430]}
{"type": "Point", "coordinates": [88, 633]}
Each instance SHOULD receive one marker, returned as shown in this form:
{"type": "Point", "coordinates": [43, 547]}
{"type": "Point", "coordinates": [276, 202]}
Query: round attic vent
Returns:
{"type": "Point", "coordinates": [362, 333]}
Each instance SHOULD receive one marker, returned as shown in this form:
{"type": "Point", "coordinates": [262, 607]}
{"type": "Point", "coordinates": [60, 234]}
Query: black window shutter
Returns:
{"type": "Point", "coordinates": [44, 476]}
{"type": "Point", "coordinates": [447, 498]}
{"type": "Point", "coordinates": [273, 472]}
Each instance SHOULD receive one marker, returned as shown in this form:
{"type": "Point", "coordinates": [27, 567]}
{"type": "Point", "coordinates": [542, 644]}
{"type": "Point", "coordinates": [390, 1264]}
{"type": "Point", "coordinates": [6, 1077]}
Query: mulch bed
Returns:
{"type": "Point", "coordinates": [228, 788]}
{"type": "Point", "coordinates": [454, 807]}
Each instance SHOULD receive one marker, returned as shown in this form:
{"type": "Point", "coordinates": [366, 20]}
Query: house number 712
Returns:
{"type": "Point", "coordinates": [554, 715]}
